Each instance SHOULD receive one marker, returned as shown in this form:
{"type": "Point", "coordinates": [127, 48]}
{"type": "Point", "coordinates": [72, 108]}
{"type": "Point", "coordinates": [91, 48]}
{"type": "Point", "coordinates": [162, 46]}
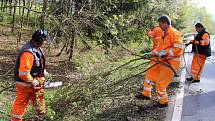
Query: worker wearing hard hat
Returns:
{"type": "Point", "coordinates": [29, 76]}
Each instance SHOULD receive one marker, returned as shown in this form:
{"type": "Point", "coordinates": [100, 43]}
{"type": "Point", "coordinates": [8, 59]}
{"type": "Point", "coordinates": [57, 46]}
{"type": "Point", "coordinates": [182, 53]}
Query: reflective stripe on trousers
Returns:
{"type": "Point", "coordinates": [164, 79]}
{"type": "Point", "coordinates": [147, 88]}
{"type": "Point", "coordinates": [15, 117]}
{"type": "Point", "coordinates": [24, 84]}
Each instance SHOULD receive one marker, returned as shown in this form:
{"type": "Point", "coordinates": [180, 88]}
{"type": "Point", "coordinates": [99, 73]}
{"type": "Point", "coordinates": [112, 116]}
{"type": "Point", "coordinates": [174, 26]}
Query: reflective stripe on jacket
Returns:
{"type": "Point", "coordinates": [172, 43]}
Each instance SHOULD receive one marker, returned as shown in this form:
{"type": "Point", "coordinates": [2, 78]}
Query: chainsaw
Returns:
{"type": "Point", "coordinates": [47, 84]}
{"type": "Point", "coordinates": [52, 84]}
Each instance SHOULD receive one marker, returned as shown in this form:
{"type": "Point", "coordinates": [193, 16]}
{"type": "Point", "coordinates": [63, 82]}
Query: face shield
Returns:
{"type": "Point", "coordinates": [46, 41]}
{"type": "Point", "coordinates": [41, 38]}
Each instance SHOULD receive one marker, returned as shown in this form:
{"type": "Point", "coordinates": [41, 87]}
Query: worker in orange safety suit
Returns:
{"type": "Point", "coordinates": [29, 76]}
{"type": "Point", "coordinates": [201, 49]}
{"type": "Point", "coordinates": [155, 33]}
{"type": "Point", "coordinates": [169, 52]}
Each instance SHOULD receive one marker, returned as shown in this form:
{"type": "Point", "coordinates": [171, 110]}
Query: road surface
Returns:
{"type": "Point", "coordinates": [199, 98]}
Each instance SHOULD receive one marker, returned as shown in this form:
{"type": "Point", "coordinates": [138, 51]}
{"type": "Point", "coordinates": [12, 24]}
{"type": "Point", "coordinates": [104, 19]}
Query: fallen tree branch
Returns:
{"type": "Point", "coordinates": [11, 86]}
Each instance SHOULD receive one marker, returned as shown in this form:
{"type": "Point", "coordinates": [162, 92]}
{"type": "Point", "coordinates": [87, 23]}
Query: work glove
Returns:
{"type": "Point", "coordinates": [162, 53]}
{"type": "Point", "coordinates": [35, 83]}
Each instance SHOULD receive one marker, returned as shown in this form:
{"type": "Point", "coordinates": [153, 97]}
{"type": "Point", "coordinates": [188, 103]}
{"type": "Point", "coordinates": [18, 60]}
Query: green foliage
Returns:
{"type": "Point", "coordinates": [196, 14]}
{"type": "Point", "coordinates": [180, 21]}
{"type": "Point", "coordinates": [49, 96]}
{"type": "Point", "coordinates": [5, 107]}
{"type": "Point", "coordinates": [5, 18]}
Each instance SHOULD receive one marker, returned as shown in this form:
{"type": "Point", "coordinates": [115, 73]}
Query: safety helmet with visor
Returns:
{"type": "Point", "coordinates": [41, 35]}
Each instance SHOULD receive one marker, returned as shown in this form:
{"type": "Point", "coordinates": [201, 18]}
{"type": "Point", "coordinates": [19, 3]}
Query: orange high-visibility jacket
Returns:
{"type": "Point", "coordinates": [26, 63]}
{"type": "Point", "coordinates": [156, 33]}
{"type": "Point", "coordinates": [172, 43]}
{"type": "Point", "coordinates": [205, 39]}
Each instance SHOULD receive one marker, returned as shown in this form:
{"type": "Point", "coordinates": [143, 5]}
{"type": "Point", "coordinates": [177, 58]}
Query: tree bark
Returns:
{"type": "Point", "coordinates": [2, 4]}
{"type": "Point", "coordinates": [10, 8]}
{"type": "Point", "coordinates": [30, 4]}
{"type": "Point", "coordinates": [72, 45]}
{"type": "Point", "coordinates": [5, 4]}
{"type": "Point", "coordinates": [19, 7]}
{"type": "Point", "coordinates": [42, 19]}
{"type": "Point", "coordinates": [22, 21]}
{"type": "Point", "coordinates": [14, 15]}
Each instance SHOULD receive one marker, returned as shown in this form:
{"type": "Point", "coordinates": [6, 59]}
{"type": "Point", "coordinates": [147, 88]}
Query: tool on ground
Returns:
{"type": "Point", "coordinates": [47, 84]}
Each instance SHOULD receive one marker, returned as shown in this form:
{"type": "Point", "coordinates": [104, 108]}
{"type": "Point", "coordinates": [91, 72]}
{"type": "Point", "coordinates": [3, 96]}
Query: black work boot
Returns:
{"type": "Point", "coordinates": [159, 105]}
{"type": "Point", "coordinates": [189, 79]}
{"type": "Point", "coordinates": [140, 96]}
{"type": "Point", "coordinates": [195, 81]}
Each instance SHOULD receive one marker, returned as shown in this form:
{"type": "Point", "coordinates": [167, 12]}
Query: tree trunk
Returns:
{"type": "Point", "coordinates": [19, 7]}
{"type": "Point", "coordinates": [78, 5]}
{"type": "Point", "coordinates": [5, 4]}
{"type": "Point", "coordinates": [14, 15]}
{"type": "Point", "coordinates": [30, 4]}
{"type": "Point", "coordinates": [22, 21]}
{"type": "Point", "coordinates": [42, 19]}
{"type": "Point", "coordinates": [72, 45]}
{"type": "Point", "coordinates": [23, 12]}
{"type": "Point", "coordinates": [10, 8]}
{"type": "Point", "coordinates": [69, 8]}
{"type": "Point", "coordinates": [2, 4]}
{"type": "Point", "coordinates": [35, 15]}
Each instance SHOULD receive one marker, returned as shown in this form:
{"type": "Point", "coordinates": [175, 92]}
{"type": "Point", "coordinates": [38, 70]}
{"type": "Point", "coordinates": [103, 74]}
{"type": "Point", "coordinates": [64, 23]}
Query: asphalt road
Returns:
{"type": "Point", "coordinates": [199, 98]}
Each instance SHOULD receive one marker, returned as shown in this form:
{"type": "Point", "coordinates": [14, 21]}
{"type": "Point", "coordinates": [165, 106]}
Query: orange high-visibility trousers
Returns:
{"type": "Point", "coordinates": [151, 77]}
{"type": "Point", "coordinates": [164, 78]}
{"type": "Point", "coordinates": [197, 66]}
{"type": "Point", "coordinates": [23, 96]}
{"type": "Point", "coordinates": [151, 74]}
